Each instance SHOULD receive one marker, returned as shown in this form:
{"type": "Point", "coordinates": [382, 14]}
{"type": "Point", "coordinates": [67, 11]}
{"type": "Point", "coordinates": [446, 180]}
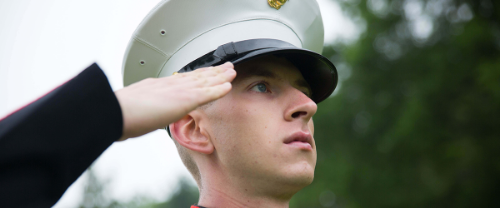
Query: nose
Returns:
{"type": "Point", "coordinates": [300, 107]}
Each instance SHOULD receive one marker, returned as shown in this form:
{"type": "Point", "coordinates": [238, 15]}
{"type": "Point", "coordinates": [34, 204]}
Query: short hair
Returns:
{"type": "Point", "coordinates": [186, 158]}
{"type": "Point", "coordinates": [188, 162]}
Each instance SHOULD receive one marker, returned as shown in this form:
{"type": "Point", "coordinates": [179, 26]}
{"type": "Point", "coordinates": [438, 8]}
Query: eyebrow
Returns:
{"type": "Point", "coordinates": [262, 72]}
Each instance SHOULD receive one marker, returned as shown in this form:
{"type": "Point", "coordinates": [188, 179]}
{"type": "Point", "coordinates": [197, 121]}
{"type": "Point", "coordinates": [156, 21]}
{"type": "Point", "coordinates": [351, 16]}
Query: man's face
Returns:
{"type": "Point", "coordinates": [262, 130]}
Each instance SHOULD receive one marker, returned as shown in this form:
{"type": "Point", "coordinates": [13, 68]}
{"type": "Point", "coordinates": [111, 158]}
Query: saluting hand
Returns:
{"type": "Point", "coordinates": [154, 103]}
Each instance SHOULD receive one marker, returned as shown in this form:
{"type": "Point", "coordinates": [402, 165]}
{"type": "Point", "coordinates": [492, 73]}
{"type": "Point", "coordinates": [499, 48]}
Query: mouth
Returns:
{"type": "Point", "coordinates": [301, 140]}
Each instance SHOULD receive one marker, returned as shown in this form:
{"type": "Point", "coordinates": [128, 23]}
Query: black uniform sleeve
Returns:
{"type": "Point", "coordinates": [47, 145]}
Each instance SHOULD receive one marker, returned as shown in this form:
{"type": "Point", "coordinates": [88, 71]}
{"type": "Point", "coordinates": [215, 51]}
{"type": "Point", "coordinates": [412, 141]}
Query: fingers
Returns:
{"type": "Point", "coordinates": [206, 77]}
{"type": "Point", "coordinates": [212, 93]}
{"type": "Point", "coordinates": [228, 65]}
{"type": "Point", "coordinates": [227, 75]}
{"type": "Point", "coordinates": [212, 76]}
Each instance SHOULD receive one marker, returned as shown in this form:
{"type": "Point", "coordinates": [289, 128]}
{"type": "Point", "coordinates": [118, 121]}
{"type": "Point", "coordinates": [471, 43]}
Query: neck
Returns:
{"type": "Point", "coordinates": [218, 197]}
{"type": "Point", "coordinates": [220, 189]}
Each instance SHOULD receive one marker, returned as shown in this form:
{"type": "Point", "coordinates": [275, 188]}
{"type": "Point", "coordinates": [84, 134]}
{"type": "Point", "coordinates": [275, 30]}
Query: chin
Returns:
{"type": "Point", "coordinates": [299, 175]}
{"type": "Point", "coordinates": [289, 182]}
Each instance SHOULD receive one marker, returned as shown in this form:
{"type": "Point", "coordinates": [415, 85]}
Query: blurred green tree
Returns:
{"type": "Point", "coordinates": [94, 194]}
{"type": "Point", "coordinates": [417, 122]}
{"type": "Point", "coordinates": [185, 196]}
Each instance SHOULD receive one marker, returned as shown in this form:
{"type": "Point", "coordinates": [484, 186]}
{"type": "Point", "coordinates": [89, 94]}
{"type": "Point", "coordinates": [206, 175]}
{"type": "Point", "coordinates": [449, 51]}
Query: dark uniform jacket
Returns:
{"type": "Point", "coordinates": [48, 144]}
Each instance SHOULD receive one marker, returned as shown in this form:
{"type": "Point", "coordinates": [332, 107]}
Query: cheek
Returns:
{"type": "Point", "coordinates": [242, 131]}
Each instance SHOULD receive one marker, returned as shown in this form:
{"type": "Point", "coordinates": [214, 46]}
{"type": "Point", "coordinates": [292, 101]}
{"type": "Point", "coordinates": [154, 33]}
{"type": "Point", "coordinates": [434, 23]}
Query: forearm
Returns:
{"type": "Point", "coordinates": [48, 144]}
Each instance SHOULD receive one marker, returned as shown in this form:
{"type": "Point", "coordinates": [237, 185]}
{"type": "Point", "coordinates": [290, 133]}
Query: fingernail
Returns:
{"type": "Point", "coordinates": [227, 65]}
{"type": "Point", "coordinates": [230, 71]}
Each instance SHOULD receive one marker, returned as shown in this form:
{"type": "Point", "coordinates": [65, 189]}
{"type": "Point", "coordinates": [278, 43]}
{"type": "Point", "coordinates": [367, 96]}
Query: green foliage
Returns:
{"type": "Point", "coordinates": [95, 196]}
{"type": "Point", "coordinates": [185, 196]}
{"type": "Point", "coordinates": [416, 124]}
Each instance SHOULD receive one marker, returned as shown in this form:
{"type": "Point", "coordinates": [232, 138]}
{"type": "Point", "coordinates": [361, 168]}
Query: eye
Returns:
{"type": "Point", "coordinates": [260, 88]}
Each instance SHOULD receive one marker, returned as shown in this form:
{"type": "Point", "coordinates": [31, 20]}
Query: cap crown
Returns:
{"type": "Point", "coordinates": [177, 31]}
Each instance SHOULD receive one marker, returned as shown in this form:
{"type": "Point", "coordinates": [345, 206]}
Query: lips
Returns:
{"type": "Point", "coordinates": [302, 140]}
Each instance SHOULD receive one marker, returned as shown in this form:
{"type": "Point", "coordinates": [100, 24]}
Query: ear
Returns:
{"type": "Point", "coordinates": [187, 132]}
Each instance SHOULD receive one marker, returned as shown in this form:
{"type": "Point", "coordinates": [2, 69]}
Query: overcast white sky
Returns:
{"type": "Point", "coordinates": [45, 43]}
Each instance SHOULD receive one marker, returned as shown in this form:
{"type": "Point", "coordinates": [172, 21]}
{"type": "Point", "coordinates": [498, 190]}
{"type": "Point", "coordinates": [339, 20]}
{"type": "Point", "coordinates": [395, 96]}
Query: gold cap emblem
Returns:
{"type": "Point", "coordinates": [276, 3]}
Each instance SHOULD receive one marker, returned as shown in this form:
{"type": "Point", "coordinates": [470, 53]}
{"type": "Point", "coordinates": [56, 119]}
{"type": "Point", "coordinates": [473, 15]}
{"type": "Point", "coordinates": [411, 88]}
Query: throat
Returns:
{"type": "Point", "coordinates": [216, 198]}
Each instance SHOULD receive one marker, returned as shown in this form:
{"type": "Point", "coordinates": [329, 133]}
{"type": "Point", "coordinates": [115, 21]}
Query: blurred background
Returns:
{"type": "Point", "coordinates": [415, 121]}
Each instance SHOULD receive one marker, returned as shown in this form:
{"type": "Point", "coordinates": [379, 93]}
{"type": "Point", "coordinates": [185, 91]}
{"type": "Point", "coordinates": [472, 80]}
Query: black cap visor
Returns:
{"type": "Point", "coordinates": [317, 70]}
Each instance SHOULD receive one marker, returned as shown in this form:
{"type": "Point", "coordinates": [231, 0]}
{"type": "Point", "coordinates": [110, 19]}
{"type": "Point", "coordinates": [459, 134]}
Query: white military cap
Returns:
{"type": "Point", "coordinates": [183, 35]}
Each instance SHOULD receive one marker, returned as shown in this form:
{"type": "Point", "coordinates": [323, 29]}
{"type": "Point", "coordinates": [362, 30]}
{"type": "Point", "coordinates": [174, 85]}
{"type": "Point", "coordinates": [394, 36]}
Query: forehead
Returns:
{"type": "Point", "coordinates": [270, 66]}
